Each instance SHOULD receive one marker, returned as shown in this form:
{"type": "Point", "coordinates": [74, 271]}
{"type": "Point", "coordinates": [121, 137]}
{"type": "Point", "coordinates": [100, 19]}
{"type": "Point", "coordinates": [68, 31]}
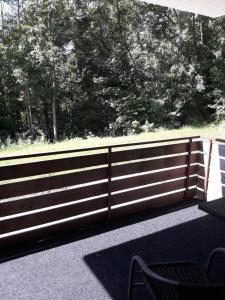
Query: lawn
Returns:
{"type": "Point", "coordinates": [77, 143]}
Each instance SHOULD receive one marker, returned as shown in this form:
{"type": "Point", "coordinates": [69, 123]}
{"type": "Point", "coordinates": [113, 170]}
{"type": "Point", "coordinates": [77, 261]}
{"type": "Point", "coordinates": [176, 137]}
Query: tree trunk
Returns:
{"type": "Point", "coordinates": [18, 14]}
{"type": "Point", "coordinates": [195, 46]}
{"type": "Point", "coordinates": [55, 136]}
{"type": "Point", "coordinates": [201, 32]}
{"type": "Point", "coordinates": [2, 18]}
{"type": "Point", "coordinates": [29, 112]}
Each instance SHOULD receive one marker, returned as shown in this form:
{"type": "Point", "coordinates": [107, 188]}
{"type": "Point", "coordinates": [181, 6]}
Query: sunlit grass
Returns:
{"type": "Point", "coordinates": [78, 143]}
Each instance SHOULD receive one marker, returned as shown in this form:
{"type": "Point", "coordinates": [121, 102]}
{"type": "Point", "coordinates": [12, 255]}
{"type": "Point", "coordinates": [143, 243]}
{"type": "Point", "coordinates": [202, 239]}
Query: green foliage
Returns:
{"type": "Point", "coordinates": [96, 66]}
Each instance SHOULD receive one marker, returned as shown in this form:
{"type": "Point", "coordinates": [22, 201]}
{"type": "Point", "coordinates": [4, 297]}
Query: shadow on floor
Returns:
{"type": "Point", "coordinates": [73, 236]}
{"type": "Point", "coordinates": [192, 240]}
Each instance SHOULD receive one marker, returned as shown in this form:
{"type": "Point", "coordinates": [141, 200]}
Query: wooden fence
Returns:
{"type": "Point", "coordinates": [79, 188]}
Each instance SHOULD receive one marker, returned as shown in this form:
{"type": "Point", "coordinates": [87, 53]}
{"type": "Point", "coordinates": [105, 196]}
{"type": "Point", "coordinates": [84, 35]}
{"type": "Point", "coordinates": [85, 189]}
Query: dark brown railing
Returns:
{"type": "Point", "coordinates": [42, 198]}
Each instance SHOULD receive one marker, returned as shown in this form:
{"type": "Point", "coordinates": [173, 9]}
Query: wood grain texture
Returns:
{"type": "Point", "coordinates": [133, 208]}
{"type": "Point", "coordinates": [51, 166]}
{"type": "Point", "coordinates": [143, 153]}
{"type": "Point", "coordinates": [149, 191]}
{"type": "Point", "coordinates": [201, 183]}
{"type": "Point", "coordinates": [17, 239]}
{"type": "Point", "coordinates": [152, 165]}
{"type": "Point", "coordinates": [201, 171]}
{"type": "Point", "coordinates": [46, 216]}
{"type": "Point", "coordinates": [157, 177]}
{"type": "Point", "coordinates": [25, 213]}
{"type": "Point", "coordinates": [51, 183]}
{"type": "Point", "coordinates": [47, 200]}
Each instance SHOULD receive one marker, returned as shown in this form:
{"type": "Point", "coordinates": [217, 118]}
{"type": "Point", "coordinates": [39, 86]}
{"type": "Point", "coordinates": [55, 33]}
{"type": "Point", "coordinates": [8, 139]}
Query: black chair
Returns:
{"type": "Point", "coordinates": [177, 280]}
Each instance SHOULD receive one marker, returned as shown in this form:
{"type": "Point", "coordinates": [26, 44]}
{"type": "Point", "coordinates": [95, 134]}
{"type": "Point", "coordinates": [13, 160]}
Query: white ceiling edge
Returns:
{"type": "Point", "coordinates": [213, 9]}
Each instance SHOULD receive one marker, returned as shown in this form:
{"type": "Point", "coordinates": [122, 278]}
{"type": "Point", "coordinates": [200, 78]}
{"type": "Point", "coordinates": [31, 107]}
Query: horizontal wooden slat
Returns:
{"type": "Point", "coordinates": [49, 231]}
{"type": "Point", "coordinates": [201, 159]}
{"type": "Point", "coordinates": [155, 177]}
{"type": "Point", "coordinates": [201, 171]}
{"type": "Point", "coordinates": [47, 216]}
{"type": "Point", "coordinates": [201, 183]}
{"type": "Point", "coordinates": [42, 201]}
{"type": "Point", "coordinates": [220, 140]}
{"type": "Point", "coordinates": [50, 183]}
{"type": "Point", "coordinates": [151, 191]}
{"type": "Point", "coordinates": [135, 154]}
{"type": "Point", "coordinates": [134, 208]}
{"type": "Point", "coordinates": [152, 165]}
{"type": "Point", "coordinates": [51, 166]}
{"type": "Point", "coordinates": [52, 153]}
{"type": "Point", "coordinates": [60, 181]}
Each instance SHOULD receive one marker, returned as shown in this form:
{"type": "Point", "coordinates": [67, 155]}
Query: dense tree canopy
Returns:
{"type": "Point", "coordinates": [71, 67]}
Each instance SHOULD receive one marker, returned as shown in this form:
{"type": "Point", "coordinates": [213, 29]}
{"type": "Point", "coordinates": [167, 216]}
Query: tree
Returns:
{"type": "Point", "coordinates": [73, 68]}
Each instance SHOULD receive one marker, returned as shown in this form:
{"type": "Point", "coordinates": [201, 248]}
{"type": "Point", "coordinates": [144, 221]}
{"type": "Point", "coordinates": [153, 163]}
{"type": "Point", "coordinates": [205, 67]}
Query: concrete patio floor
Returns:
{"type": "Point", "coordinates": [94, 264]}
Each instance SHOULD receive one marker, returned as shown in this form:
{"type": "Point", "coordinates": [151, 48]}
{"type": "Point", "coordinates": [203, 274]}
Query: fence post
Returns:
{"type": "Point", "coordinates": [207, 171]}
{"type": "Point", "coordinates": [109, 181]}
{"type": "Point", "coordinates": [188, 162]}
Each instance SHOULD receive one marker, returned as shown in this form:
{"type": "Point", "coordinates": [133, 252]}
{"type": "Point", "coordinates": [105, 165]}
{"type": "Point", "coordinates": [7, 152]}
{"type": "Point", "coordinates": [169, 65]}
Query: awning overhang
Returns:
{"type": "Point", "coordinates": [213, 9]}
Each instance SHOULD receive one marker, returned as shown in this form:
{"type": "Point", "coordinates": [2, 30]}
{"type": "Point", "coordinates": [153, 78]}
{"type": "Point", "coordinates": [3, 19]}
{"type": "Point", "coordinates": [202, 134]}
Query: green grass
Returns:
{"type": "Point", "coordinates": [26, 147]}
{"type": "Point", "coordinates": [77, 143]}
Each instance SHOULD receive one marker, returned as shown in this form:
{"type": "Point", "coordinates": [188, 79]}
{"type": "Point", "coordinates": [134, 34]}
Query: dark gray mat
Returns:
{"type": "Point", "coordinates": [96, 265]}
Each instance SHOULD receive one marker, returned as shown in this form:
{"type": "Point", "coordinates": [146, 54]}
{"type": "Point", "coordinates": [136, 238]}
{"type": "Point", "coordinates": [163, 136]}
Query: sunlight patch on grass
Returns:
{"type": "Point", "coordinates": [78, 143]}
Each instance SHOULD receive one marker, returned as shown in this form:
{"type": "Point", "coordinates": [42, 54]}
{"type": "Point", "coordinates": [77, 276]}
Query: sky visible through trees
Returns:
{"type": "Point", "coordinates": [71, 68]}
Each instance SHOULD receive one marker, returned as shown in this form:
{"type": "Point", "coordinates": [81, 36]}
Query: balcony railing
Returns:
{"type": "Point", "coordinates": [48, 193]}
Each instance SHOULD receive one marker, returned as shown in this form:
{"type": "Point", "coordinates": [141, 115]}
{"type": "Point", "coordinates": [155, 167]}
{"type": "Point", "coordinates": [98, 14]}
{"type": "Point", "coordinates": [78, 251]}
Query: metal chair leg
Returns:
{"type": "Point", "coordinates": [131, 280]}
